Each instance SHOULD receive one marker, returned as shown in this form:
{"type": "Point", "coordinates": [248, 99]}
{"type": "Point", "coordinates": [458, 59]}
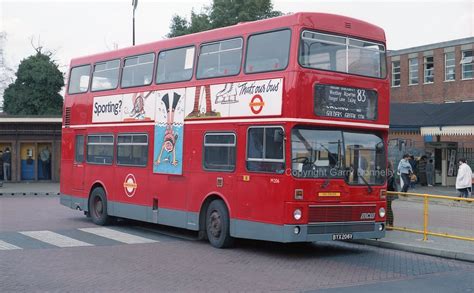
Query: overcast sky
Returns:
{"type": "Point", "coordinates": [76, 28]}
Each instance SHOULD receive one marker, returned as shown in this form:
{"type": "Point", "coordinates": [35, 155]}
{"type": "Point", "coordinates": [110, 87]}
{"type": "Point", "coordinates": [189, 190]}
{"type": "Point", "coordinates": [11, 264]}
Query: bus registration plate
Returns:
{"type": "Point", "coordinates": [344, 236]}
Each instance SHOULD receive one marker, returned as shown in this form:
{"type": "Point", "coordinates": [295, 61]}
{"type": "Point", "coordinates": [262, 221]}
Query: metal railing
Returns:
{"type": "Point", "coordinates": [426, 202]}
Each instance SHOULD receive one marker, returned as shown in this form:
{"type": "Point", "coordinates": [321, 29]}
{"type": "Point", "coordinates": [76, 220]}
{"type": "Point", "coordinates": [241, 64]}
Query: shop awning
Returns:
{"type": "Point", "coordinates": [447, 130]}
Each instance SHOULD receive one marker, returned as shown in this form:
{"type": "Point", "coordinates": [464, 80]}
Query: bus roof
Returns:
{"type": "Point", "coordinates": [321, 21]}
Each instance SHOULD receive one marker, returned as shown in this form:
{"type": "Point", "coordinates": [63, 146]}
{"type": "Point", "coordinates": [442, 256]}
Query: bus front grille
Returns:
{"type": "Point", "coordinates": [341, 213]}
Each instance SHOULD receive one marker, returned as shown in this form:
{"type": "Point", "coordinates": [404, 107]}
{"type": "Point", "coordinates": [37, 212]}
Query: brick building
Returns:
{"type": "Point", "coordinates": [432, 94]}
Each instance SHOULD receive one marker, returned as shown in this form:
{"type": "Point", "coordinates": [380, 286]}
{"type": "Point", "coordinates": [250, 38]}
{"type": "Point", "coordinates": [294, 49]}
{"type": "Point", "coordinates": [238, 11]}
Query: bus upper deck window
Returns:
{"type": "Point", "coordinates": [268, 51]}
{"type": "Point", "coordinates": [175, 65]}
{"type": "Point", "coordinates": [105, 75]}
{"type": "Point", "coordinates": [342, 54]}
{"type": "Point", "coordinates": [138, 70]}
{"type": "Point", "coordinates": [79, 79]}
{"type": "Point", "coordinates": [220, 58]}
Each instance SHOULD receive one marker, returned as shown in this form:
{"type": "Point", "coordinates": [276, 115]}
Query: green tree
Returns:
{"type": "Point", "coordinates": [222, 13]}
{"type": "Point", "coordinates": [36, 88]}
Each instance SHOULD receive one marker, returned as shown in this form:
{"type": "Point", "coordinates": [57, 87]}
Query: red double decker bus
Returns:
{"type": "Point", "coordinates": [273, 130]}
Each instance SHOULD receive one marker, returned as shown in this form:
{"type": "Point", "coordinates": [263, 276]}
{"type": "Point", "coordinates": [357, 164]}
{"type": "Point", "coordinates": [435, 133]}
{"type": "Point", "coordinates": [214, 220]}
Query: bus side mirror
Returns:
{"type": "Point", "coordinates": [278, 136]}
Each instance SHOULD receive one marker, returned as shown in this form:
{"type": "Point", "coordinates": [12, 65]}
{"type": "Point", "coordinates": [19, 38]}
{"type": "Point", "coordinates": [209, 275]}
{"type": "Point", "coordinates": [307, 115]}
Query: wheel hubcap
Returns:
{"type": "Point", "coordinates": [214, 225]}
{"type": "Point", "coordinates": [98, 207]}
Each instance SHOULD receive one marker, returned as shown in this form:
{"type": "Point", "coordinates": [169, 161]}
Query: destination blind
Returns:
{"type": "Point", "coordinates": [345, 102]}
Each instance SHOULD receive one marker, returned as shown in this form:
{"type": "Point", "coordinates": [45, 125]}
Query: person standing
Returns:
{"type": "Point", "coordinates": [405, 170]}
{"type": "Point", "coordinates": [391, 186]}
{"type": "Point", "coordinates": [464, 178]}
{"type": "Point", "coordinates": [7, 160]}
{"type": "Point", "coordinates": [45, 157]}
{"type": "Point", "coordinates": [414, 170]}
{"type": "Point", "coordinates": [422, 171]}
{"type": "Point", "coordinates": [430, 172]}
{"type": "Point", "coordinates": [1, 165]}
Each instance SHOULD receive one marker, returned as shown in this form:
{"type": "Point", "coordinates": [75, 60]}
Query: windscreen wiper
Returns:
{"type": "Point", "coordinates": [369, 187]}
{"type": "Point", "coordinates": [330, 154]}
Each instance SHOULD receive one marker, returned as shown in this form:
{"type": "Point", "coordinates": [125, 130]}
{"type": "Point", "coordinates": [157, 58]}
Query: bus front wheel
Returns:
{"type": "Point", "coordinates": [98, 207]}
{"type": "Point", "coordinates": [217, 225]}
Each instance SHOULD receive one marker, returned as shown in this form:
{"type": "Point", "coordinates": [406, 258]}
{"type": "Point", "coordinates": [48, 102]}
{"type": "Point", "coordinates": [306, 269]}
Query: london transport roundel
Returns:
{"type": "Point", "coordinates": [256, 104]}
{"type": "Point", "coordinates": [130, 185]}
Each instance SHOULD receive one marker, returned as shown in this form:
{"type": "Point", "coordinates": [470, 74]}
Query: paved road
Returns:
{"type": "Point", "coordinates": [47, 247]}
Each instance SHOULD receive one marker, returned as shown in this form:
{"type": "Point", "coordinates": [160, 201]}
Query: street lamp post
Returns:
{"type": "Point", "coordinates": [134, 4]}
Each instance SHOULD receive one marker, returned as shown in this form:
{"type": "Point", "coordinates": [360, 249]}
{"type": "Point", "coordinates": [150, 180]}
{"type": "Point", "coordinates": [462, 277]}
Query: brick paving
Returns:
{"type": "Point", "coordinates": [180, 265]}
{"type": "Point", "coordinates": [194, 266]}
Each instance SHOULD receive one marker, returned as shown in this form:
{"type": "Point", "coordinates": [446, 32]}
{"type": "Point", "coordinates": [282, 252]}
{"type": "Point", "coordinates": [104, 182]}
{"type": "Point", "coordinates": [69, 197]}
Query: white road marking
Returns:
{"type": "Point", "coordinates": [118, 236]}
{"type": "Point", "coordinates": [55, 239]}
{"type": "Point", "coordinates": [7, 246]}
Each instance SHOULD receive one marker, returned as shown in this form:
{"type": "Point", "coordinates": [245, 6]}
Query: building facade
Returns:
{"type": "Point", "coordinates": [432, 95]}
{"type": "Point", "coordinates": [34, 144]}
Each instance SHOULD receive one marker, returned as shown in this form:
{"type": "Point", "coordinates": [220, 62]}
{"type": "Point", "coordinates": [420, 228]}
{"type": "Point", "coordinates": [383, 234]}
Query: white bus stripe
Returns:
{"type": "Point", "coordinates": [118, 236]}
{"type": "Point", "coordinates": [7, 246]}
{"type": "Point", "coordinates": [238, 120]}
{"type": "Point", "coordinates": [55, 239]}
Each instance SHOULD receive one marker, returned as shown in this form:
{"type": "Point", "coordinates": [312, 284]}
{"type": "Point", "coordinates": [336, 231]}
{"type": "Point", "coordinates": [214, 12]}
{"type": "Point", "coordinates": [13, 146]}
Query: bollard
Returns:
{"type": "Point", "coordinates": [425, 217]}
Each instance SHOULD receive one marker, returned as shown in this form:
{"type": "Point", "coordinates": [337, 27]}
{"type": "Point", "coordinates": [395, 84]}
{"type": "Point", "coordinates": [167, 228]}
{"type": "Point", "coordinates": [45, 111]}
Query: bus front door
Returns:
{"type": "Point", "coordinates": [78, 165]}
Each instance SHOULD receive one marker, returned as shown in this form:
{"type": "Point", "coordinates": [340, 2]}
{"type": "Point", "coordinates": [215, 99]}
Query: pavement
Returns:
{"type": "Point", "coordinates": [436, 246]}
{"type": "Point", "coordinates": [29, 188]}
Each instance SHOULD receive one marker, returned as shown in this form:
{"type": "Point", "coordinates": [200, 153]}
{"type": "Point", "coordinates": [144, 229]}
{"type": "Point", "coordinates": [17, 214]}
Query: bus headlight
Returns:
{"type": "Point", "coordinates": [297, 214]}
{"type": "Point", "coordinates": [382, 212]}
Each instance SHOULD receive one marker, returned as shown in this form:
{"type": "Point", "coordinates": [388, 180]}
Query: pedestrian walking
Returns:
{"type": "Point", "coordinates": [464, 178]}
{"type": "Point", "coordinates": [7, 160]}
{"type": "Point", "coordinates": [391, 186]}
{"type": "Point", "coordinates": [405, 169]}
{"type": "Point", "coordinates": [430, 172]}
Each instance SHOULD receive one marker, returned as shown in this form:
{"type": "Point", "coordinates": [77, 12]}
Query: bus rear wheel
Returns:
{"type": "Point", "coordinates": [98, 207]}
{"type": "Point", "coordinates": [218, 225]}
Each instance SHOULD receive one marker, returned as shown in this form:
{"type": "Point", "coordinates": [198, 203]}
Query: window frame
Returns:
{"type": "Point", "coordinates": [88, 84]}
{"type": "Point", "coordinates": [393, 79]}
{"type": "Point", "coordinates": [204, 145]}
{"type": "Point", "coordinates": [410, 71]}
{"type": "Point", "coordinates": [283, 160]}
{"type": "Point", "coordinates": [132, 144]}
{"type": "Point", "coordinates": [119, 77]}
{"type": "Point", "coordinates": [425, 62]}
{"type": "Point", "coordinates": [155, 81]}
{"type": "Point", "coordinates": [463, 64]}
{"type": "Point", "coordinates": [122, 67]}
{"type": "Point", "coordinates": [451, 66]}
{"type": "Point", "coordinates": [267, 32]}
{"type": "Point", "coordinates": [347, 37]}
{"type": "Point", "coordinates": [113, 148]}
{"type": "Point", "coordinates": [218, 41]}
